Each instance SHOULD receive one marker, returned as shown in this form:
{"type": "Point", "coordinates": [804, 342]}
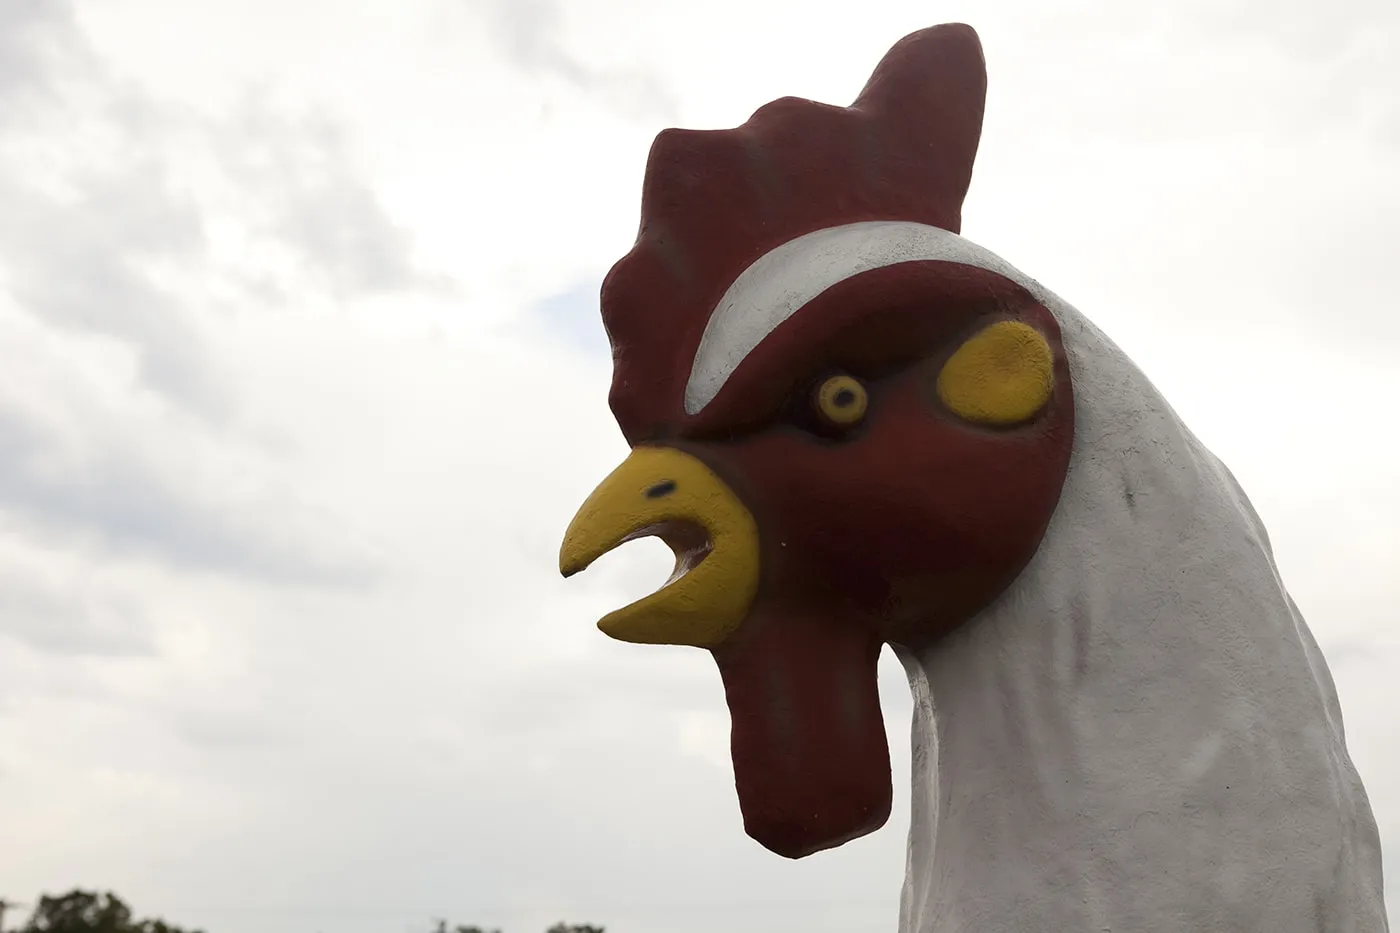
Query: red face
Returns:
{"type": "Point", "coordinates": [896, 528]}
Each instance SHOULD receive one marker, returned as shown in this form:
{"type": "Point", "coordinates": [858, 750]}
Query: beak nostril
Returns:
{"type": "Point", "coordinates": [661, 489]}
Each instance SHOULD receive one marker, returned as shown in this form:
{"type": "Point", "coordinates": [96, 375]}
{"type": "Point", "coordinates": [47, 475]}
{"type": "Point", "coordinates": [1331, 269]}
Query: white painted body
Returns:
{"type": "Point", "coordinates": [1140, 735]}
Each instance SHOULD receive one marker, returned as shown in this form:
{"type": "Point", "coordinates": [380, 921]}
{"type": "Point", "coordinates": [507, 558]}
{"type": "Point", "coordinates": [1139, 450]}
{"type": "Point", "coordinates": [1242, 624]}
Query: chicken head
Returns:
{"type": "Point", "coordinates": [849, 429]}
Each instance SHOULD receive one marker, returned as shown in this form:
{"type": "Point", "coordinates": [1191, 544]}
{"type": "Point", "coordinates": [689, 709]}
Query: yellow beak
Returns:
{"type": "Point", "coordinates": [664, 492]}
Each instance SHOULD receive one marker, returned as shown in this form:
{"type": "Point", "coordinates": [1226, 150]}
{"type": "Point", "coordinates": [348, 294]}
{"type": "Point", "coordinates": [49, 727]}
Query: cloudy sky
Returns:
{"type": "Point", "coordinates": [303, 378]}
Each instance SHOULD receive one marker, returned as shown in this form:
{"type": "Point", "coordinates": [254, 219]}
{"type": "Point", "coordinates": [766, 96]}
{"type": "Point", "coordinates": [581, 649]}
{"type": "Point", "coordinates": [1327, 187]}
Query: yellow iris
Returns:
{"type": "Point", "coordinates": [841, 401]}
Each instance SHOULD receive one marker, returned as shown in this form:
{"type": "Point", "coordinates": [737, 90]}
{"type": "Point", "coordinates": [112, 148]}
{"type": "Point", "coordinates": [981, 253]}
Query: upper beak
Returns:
{"type": "Point", "coordinates": [664, 492]}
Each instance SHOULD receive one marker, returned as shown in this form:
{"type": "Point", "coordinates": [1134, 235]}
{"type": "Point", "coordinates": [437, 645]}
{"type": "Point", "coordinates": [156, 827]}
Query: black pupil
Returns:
{"type": "Point", "coordinates": [843, 397]}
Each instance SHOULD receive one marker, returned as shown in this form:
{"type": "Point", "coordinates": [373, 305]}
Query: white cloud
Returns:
{"type": "Point", "coordinates": [304, 378]}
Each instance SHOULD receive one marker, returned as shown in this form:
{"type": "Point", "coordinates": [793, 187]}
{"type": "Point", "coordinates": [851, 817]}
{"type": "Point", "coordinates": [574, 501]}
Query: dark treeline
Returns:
{"type": "Point", "coordinates": [90, 912]}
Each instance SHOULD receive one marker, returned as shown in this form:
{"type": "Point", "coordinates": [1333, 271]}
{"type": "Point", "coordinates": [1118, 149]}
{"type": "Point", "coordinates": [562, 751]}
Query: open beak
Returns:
{"type": "Point", "coordinates": [663, 492]}
{"type": "Point", "coordinates": [811, 764]}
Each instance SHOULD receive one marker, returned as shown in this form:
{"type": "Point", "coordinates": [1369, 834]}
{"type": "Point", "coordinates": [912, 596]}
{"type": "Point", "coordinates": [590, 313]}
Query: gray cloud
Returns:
{"type": "Point", "coordinates": [76, 253]}
{"type": "Point", "coordinates": [563, 697]}
{"type": "Point", "coordinates": [237, 730]}
{"type": "Point", "coordinates": [87, 235]}
{"type": "Point", "coordinates": [531, 35]}
{"type": "Point", "coordinates": [571, 318]}
{"type": "Point", "coordinates": [64, 620]}
{"type": "Point", "coordinates": [35, 40]}
{"type": "Point", "coordinates": [80, 261]}
{"type": "Point", "coordinates": [1300, 72]}
{"type": "Point", "coordinates": [295, 175]}
{"type": "Point", "coordinates": [104, 233]}
{"type": "Point", "coordinates": [126, 505]}
{"type": "Point", "coordinates": [1300, 29]}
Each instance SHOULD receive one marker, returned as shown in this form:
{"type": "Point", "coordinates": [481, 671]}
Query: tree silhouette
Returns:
{"type": "Point", "coordinates": [81, 911]}
{"type": "Point", "coordinates": [442, 927]}
{"type": "Point", "coordinates": [89, 912]}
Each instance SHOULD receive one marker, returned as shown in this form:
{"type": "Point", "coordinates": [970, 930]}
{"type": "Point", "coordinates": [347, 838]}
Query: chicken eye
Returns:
{"type": "Point", "coordinates": [841, 401]}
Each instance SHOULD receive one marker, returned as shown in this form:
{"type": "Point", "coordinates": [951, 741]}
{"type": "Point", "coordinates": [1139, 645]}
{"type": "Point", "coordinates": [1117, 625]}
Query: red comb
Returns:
{"type": "Point", "coordinates": [713, 201]}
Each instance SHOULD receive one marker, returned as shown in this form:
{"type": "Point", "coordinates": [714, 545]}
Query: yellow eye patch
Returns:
{"type": "Point", "coordinates": [1001, 376]}
{"type": "Point", "coordinates": [841, 401]}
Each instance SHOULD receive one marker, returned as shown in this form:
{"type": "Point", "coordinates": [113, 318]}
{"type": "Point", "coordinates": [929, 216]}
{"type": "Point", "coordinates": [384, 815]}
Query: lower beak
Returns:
{"type": "Point", "coordinates": [663, 492]}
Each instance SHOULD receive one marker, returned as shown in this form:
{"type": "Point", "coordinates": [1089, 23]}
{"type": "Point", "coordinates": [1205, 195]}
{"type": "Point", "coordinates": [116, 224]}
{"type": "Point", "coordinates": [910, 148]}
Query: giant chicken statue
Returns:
{"type": "Point", "coordinates": [855, 427]}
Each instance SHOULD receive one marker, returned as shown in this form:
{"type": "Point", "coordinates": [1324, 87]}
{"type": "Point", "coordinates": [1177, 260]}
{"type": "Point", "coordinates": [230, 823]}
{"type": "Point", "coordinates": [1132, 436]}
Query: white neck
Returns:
{"type": "Point", "coordinates": [1141, 734]}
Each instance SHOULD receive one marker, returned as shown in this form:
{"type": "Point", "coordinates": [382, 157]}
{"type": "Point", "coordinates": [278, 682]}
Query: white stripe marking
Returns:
{"type": "Point", "coordinates": [782, 281]}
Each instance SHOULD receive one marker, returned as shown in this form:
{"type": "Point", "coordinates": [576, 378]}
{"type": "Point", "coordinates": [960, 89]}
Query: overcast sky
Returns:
{"type": "Point", "coordinates": [303, 378]}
